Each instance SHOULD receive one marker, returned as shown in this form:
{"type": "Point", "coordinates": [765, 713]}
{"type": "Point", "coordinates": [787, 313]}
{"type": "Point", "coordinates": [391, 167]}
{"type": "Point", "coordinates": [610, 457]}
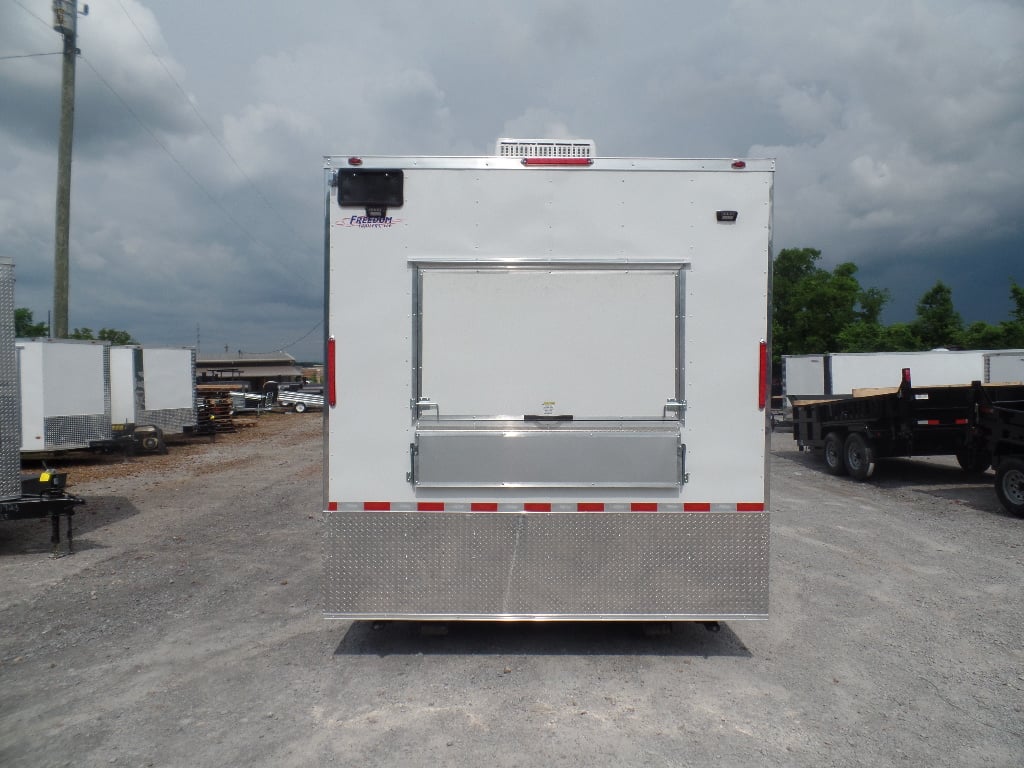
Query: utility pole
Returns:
{"type": "Point", "coordinates": [65, 21]}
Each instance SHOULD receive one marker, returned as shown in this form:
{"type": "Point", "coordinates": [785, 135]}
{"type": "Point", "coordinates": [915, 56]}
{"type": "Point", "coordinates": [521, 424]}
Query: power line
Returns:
{"type": "Point", "coordinates": [31, 13]}
{"type": "Point", "coordinates": [209, 129]}
{"type": "Point", "coordinates": [170, 154]}
{"type": "Point", "coordinates": [31, 55]}
{"type": "Point", "coordinates": [292, 344]}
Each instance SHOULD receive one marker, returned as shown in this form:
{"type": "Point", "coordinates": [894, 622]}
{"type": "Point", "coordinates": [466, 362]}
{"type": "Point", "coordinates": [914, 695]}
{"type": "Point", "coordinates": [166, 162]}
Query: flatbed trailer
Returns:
{"type": "Point", "coordinates": [300, 401]}
{"type": "Point", "coordinates": [997, 425]}
{"type": "Point", "coordinates": [855, 431]}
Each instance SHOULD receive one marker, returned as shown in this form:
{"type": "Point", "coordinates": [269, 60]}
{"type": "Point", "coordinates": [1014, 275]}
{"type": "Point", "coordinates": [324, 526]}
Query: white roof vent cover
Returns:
{"type": "Point", "coordinates": [545, 148]}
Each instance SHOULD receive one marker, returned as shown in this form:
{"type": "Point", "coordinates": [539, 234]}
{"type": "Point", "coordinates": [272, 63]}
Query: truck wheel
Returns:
{"type": "Point", "coordinates": [1010, 485]}
{"type": "Point", "coordinates": [859, 456]}
{"type": "Point", "coordinates": [974, 461]}
{"type": "Point", "coordinates": [834, 462]}
{"type": "Point", "coordinates": [300, 407]}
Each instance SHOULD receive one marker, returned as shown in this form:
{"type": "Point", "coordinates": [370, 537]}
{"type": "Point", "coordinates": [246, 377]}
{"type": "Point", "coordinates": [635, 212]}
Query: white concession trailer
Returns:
{"type": "Point", "coordinates": [153, 386]}
{"type": "Point", "coordinates": [547, 378]}
{"type": "Point", "coordinates": [65, 393]}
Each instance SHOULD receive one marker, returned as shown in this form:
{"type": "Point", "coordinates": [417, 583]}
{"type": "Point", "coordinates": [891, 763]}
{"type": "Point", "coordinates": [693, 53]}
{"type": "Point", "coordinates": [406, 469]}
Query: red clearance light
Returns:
{"type": "Point", "coordinates": [355, 161]}
{"type": "Point", "coordinates": [557, 161]}
{"type": "Point", "coordinates": [739, 165]}
{"type": "Point", "coordinates": [906, 375]}
{"type": "Point", "coordinates": [332, 381]}
{"type": "Point", "coordinates": [762, 374]}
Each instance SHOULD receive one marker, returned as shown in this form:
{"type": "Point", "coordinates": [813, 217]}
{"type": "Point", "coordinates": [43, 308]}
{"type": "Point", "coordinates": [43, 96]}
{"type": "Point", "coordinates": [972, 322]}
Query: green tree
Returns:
{"type": "Point", "coordinates": [982, 336]}
{"type": "Point", "coordinates": [112, 335]}
{"type": "Point", "coordinates": [115, 336]}
{"type": "Point", "coordinates": [812, 308]}
{"type": "Point", "coordinates": [938, 324]}
{"type": "Point", "coordinates": [810, 305]}
{"type": "Point", "coordinates": [1013, 329]}
{"type": "Point", "coordinates": [25, 328]}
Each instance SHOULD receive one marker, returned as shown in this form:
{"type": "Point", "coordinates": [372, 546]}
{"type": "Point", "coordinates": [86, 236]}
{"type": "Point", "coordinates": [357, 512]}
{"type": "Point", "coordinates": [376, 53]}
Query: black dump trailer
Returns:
{"type": "Point", "coordinates": [997, 425]}
{"type": "Point", "coordinates": [854, 431]}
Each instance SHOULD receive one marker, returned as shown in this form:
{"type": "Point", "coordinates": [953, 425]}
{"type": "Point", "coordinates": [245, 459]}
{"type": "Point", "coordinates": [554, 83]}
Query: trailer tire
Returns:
{"type": "Point", "coordinates": [974, 462]}
{"type": "Point", "coordinates": [300, 407]}
{"type": "Point", "coordinates": [835, 462]}
{"type": "Point", "coordinates": [1010, 485]}
{"type": "Point", "coordinates": [859, 456]}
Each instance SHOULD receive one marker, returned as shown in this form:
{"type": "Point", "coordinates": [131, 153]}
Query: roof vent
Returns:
{"type": "Point", "coordinates": [545, 148]}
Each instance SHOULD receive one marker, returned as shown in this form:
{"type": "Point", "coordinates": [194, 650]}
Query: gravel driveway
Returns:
{"type": "Point", "coordinates": [186, 632]}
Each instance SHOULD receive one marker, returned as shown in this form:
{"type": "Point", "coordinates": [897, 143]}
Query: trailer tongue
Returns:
{"type": "Point", "coordinates": [546, 391]}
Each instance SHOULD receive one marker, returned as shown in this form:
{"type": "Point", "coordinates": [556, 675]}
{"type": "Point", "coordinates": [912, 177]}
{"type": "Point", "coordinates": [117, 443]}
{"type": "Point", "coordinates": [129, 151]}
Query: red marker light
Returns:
{"type": "Point", "coordinates": [762, 374]}
{"type": "Point", "coordinates": [332, 386]}
{"type": "Point", "coordinates": [739, 165]}
{"type": "Point", "coordinates": [355, 161]}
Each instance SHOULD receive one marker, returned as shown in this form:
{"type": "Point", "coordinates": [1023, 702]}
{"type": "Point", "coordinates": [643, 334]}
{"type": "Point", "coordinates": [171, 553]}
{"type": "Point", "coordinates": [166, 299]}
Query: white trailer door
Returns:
{"type": "Point", "coordinates": [513, 341]}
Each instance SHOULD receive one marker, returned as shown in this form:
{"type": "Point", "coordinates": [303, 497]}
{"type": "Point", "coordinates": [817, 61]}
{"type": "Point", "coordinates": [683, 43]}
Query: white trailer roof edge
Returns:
{"type": "Point", "coordinates": [471, 162]}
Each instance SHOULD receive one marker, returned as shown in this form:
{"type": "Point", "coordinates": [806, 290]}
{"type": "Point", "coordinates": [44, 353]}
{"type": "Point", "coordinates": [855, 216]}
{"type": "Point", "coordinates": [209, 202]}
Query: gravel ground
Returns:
{"type": "Point", "coordinates": [186, 632]}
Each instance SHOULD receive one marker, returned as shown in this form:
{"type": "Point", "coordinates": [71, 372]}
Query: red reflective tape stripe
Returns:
{"type": "Point", "coordinates": [430, 506]}
{"type": "Point", "coordinates": [533, 507]}
{"type": "Point", "coordinates": [332, 387]}
{"type": "Point", "coordinates": [643, 506]}
{"type": "Point", "coordinates": [377, 506]}
{"type": "Point", "coordinates": [696, 507]}
{"type": "Point", "coordinates": [588, 506]}
{"type": "Point", "coordinates": [750, 506]}
{"type": "Point", "coordinates": [483, 506]}
{"type": "Point", "coordinates": [332, 506]}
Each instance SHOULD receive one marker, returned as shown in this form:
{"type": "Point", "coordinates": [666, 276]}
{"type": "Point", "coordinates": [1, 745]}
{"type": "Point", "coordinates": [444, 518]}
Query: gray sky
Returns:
{"type": "Point", "coordinates": [200, 129]}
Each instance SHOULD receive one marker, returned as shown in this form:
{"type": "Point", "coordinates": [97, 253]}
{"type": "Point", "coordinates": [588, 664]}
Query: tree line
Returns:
{"type": "Point", "coordinates": [815, 311]}
{"type": "Point", "coordinates": [25, 327]}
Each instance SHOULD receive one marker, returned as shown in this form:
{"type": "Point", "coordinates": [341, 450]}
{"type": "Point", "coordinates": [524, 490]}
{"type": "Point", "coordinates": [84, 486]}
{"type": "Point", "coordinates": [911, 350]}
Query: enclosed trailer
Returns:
{"type": "Point", "coordinates": [65, 393]}
{"type": "Point", "coordinates": [840, 373]}
{"type": "Point", "coordinates": [1004, 366]}
{"type": "Point", "coordinates": [21, 498]}
{"type": "Point", "coordinates": [153, 386]}
{"type": "Point", "coordinates": [547, 379]}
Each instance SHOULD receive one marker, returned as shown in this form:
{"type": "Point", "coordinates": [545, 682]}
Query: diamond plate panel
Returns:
{"type": "Point", "coordinates": [551, 565]}
{"type": "Point", "coordinates": [10, 402]}
{"type": "Point", "coordinates": [171, 420]}
{"type": "Point", "coordinates": [70, 432]}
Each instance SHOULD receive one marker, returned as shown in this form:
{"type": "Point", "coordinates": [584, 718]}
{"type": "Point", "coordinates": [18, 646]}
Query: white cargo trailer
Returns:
{"type": "Point", "coordinates": [153, 386]}
{"type": "Point", "coordinates": [30, 497]}
{"type": "Point", "coordinates": [65, 393]}
{"type": "Point", "coordinates": [547, 386]}
{"type": "Point", "coordinates": [840, 373]}
{"type": "Point", "coordinates": [1004, 367]}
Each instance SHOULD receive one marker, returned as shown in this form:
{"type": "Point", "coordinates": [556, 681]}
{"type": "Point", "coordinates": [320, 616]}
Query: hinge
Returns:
{"type": "Point", "coordinates": [424, 404]}
{"type": "Point", "coordinates": [676, 406]}
{"type": "Point", "coordinates": [410, 476]}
